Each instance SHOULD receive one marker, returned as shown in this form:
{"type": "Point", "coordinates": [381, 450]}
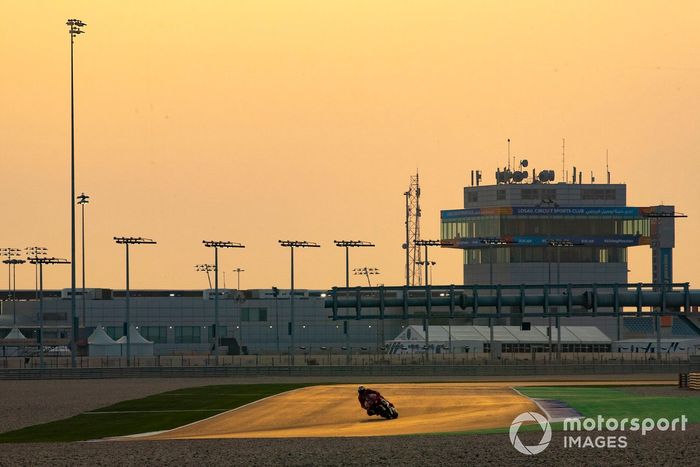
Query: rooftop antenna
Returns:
{"type": "Point", "coordinates": [563, 159]}
{"type": "Point", "coordinates": [413, 215]}
{"type": "Point", "coordinates": [509, 154]}
{"type": "Point", "coordinates": [607, 166]}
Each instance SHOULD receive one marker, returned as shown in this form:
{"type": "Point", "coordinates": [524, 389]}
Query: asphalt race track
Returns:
{"type": "Point", "coordinates": [333, 411]}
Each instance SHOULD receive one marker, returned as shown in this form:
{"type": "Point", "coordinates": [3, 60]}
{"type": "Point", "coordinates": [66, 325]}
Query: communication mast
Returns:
{"type": "Point", "coordinates": [414, 274]}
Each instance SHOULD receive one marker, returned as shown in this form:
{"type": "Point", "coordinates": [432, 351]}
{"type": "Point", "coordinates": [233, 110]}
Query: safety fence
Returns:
{"type": "Point", "coordinates": [486, 369]}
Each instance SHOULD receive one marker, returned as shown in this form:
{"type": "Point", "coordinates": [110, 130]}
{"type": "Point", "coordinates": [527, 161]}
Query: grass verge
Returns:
{"type": "Point", "coordinates": [618, 403]}
{"type": "Point", "coordinates": [609, 402]}
{"type": "Point", "coordinates": [153, 413]}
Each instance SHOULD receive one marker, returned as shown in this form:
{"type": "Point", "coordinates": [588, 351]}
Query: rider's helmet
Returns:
{"type": "Point", "coordinates": [361, 389]}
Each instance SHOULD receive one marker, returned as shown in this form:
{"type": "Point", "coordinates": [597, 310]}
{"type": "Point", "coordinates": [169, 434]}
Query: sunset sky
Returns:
{"type": "Point", "coordinates": [254, 121]}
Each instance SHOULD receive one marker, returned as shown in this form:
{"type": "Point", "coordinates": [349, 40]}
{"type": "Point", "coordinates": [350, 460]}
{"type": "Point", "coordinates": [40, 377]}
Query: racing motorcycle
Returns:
{"type": "Point", "coordinates": [383, 408]}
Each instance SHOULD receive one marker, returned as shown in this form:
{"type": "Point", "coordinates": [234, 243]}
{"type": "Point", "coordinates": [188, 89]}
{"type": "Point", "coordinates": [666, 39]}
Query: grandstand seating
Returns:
{"type": "Point", "coordinates": [644, 327]}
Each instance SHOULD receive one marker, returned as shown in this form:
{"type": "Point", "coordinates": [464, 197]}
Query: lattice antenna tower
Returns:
{"type": "Point", "coordinates": [413, 216]}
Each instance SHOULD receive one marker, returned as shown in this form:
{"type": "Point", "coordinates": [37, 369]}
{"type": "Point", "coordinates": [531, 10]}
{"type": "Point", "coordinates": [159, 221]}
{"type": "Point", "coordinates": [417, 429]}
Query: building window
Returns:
{"type": "Point", "coordinates": [188, 334]}
{"type": "Point", "coordinates": [538, 194]}
{"type": "Point", "coordinates": [222, 331]}
{"type": "Point", "coordinates": [254, 314]}
{"type": "Point", "coordinates": [472, 196]}
{"type": "Point", "coordinates": [530, 193]}
{"type": "Point", "coordinates": [598, 193]}
{"type": "Point", "coordinates": [500, 195]}
{"type": "Point", "coordinates": [155, 334]}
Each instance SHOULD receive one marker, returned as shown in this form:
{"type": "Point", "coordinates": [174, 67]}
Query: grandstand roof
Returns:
{"type": "Point", "coordinates": [508, 334]}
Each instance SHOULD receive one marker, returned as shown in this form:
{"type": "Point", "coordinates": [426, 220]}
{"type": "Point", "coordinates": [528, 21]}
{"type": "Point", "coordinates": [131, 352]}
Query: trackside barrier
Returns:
{"type": "Point", "coordinates": [357, 371]}
{"type": "Point", "coordinates": [694, 381]}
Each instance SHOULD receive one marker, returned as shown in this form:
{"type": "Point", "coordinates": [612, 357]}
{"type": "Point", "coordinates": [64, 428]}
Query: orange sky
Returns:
{"type": "Point", "coordinates": [254, 121]}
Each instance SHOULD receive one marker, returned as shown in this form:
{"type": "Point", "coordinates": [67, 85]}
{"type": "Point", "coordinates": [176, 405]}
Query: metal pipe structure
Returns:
{"type": "Point", "coordinates": [576, 300]}
{"type": "Point", "coordinates": [291, 244]}
{"type": "Point", "coordinates": [347, 244]}
{"type": "Point", "coordinates": [74, 26]}
{"type": "Point", "coordinates": [126, 241]}
{"type": "Point", "coordinates": [216, 245]}
{"type": "Point", "coordinates": [41, 261]}
{"type": "Point", "coordinates": [83, 199]}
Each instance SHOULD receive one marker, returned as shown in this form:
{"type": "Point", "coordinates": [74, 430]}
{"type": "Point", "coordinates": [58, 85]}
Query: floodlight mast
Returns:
{"type": "Point", "coordinates": [40, 261]}
{"type": "Point", "coordinates": [83, 199]}
{"type": "Point", "coordinates": [238, 272]}
{"type": "Point", "coordinates": [426, 244]}
{"type": "Point", "coordinates": [291, 244]}
{"type": "Point", "coordinates": [34, 251]}
{"type": "Point", "coordinates": [126, 241]}
{"type": "Point", "coordinates": [9, 253]}
{"type": "Point", "coordinates": [205, 268]}
{"type": "Point", "coordinates": [365, 271]}
{"type": "Point", "coordinates": [347, 244]}
{"type": "Point", "coordinates": [216, 244]}
{"type": "Point", "coordinates": [74, 26]}
{"type": "Point", "coordinates": [12, 266]}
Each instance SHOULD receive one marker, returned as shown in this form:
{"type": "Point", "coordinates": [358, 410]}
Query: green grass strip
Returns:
{"type": "Point", "coordinates": [153, 413]}
{"type": "Point", "coordinates": [618, 403]}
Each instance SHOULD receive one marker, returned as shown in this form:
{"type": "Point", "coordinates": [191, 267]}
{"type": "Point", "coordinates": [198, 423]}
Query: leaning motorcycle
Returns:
{"type": "Point", "coordinates": [385, 409]}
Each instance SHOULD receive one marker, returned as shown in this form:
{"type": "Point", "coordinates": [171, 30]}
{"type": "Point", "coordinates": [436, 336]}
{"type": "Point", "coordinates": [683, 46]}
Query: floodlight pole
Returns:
{"type": "Point", "coordinates": [238, 272]}
{"type": "Point", "coordinates": [347, 244]}
{"type": "Point", "coordinates": [40, 261]}
{"type": "Point", "coordinates": [216, 245]}
{"type": "Point", "coordinates": [83, 199]}
{"type": "Point", "coordinates": [291, 244]}
{"type": "Point", "coordinates": [33, 252]}
{"type": "Point", "coordinates": [12, 283]}
{"type": "Point", "coordinates": [426, 244]}
{"type": "Point", "coordinates": [9, 253]}
{"type": "Point", "coordinates": [74, 26]}
{"type": "Point", "coordinates": [126, 241]}
{"type": "Point", "coordinates": [205, 268]}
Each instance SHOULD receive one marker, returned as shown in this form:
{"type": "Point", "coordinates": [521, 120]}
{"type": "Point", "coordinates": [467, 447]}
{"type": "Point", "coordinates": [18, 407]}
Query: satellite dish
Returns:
{"type": "Point", "coordinates": [524, 162]}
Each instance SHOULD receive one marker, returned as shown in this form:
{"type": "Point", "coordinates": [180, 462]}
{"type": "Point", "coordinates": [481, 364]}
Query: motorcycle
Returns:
{"type": "Point", "coordinates": [385, 409]}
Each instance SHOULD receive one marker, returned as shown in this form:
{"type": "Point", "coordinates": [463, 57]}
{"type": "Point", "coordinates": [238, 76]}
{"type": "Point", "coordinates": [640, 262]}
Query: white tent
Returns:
{"type": "Point", "coordinates": [140, 347]}
{"type": "Point", "coordinates": [14, 335]}
{"type": "Point", "coordinates": [101, 345]}
{"type": "Point", "coordinates": [14, 343]}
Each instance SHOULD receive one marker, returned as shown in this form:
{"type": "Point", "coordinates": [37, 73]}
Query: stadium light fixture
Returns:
{"type": "Point", "coordinates": [205, 268]}
{"type": "Point", "coordinates": [216, 244]}
{"type": "Point", "coordinates": [126, 241]}
{"type": "Point", "coordinates": [83, 199]}
{"type": "Point", "coordinates": [40, 261]}
{"type": "Point", "coordinates": [74, 29]}
{"type": "Point", "coordinates": [366, 272]}
{"type": "Point", "coordinates": [34, 251]}
{"type": "Point", "coordinates": [291, 244]}
{"type": "Point", "coordinates": [347, 244]}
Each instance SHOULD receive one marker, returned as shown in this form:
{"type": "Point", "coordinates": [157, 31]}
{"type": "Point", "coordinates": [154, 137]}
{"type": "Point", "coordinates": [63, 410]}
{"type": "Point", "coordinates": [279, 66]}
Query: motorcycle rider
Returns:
{"type": "Point", "coordinates": [368, 399]}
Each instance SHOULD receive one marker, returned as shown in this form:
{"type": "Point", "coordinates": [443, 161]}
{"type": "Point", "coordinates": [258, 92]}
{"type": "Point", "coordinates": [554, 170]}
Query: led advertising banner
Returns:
{"type": "Point", "coordinates": [619, 212]}
{"type": "Point", "coordinates": [611, 240]}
